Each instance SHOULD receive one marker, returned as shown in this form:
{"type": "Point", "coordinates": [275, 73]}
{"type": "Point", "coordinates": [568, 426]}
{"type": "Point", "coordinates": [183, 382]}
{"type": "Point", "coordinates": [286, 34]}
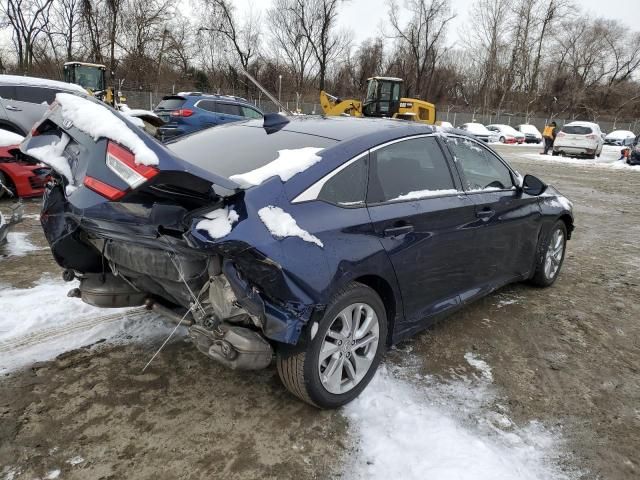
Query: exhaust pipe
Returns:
{"type": "Point", "coordinates": [168, 314]}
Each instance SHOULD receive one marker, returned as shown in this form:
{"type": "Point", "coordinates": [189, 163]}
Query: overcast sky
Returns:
{"type": "Point", "coordinates": [364, 17]}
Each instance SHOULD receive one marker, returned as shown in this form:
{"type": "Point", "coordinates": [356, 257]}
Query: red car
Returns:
{"type": "Point", "coordinates": [22, 178]}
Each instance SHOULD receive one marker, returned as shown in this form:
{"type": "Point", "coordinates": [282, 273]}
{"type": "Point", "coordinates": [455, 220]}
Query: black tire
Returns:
{"type": "Point", "coordinates": [555, 153]}
{"type": "Point", "coordinates": [6, 181]}
{"type": "Point", "coordinates": [541, 277]}
{"type": "Point", "coordinates": [299, 368]}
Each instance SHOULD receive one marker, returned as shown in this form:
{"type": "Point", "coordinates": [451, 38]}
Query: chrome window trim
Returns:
{"type": "Point", "coordinates": [312, 192]}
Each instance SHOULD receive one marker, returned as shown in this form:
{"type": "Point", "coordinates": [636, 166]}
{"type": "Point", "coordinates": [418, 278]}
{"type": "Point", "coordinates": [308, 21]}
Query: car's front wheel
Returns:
{"type": "Point", "coordinates": [340, 353]}
{"type": "Point", "coordinates": [550, 256]}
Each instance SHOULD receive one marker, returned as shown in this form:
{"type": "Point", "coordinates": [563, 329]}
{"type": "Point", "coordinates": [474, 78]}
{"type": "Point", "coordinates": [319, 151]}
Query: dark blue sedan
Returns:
{"type": "Point", "coordinates": [322, 240]}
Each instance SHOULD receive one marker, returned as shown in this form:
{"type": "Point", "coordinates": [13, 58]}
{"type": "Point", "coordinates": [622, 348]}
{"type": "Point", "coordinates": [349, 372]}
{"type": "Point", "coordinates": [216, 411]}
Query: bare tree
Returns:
{"type": "Point", "coordinates": [28, 20]}
{"type": "Point", "coordinates": [422, 36]}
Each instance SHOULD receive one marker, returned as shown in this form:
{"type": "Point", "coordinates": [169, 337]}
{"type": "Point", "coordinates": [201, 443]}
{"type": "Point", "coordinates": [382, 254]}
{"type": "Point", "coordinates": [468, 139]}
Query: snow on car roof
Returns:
{"type": "Point", "coordinates": [41, 82]}
{"type": "Point", "coordinates": [621, 134]}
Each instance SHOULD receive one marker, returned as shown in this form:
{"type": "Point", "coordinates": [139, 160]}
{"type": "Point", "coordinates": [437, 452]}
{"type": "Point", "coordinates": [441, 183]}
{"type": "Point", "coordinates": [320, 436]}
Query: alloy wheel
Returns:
{"type": "Point", "coordinates": [348, 348]}
{"type": "Point", "coordinates": [553, 257]}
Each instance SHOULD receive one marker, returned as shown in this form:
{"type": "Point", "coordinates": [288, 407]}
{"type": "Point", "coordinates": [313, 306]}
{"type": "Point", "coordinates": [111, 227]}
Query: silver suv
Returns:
{"type": "Point", "coordinates": [23, 100]}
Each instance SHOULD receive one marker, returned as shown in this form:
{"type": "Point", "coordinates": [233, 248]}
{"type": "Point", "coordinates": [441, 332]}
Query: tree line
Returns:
{"type": "Point", "coordinates": [519, 56]}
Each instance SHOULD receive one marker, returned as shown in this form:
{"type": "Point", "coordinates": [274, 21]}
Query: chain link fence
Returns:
{"type": "Point", "coordinates": [149, 99]}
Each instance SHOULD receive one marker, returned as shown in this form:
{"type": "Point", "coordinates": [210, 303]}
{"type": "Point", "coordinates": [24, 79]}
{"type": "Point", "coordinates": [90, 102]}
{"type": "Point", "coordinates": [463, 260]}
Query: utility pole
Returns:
{"type": "Point", "coordinates": [280, 88]}
{"type": "Point", "coordinates": [164, 38]}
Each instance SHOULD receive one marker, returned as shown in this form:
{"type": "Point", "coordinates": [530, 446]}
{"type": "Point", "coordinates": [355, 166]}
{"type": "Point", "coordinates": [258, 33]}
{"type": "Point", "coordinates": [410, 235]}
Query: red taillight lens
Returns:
{"type": "Point", "coordinates": [183, 112]}
{"type": "Point", "coordinates": [112, 193]}
{"type": "Point", "coordinates": [122, 162]}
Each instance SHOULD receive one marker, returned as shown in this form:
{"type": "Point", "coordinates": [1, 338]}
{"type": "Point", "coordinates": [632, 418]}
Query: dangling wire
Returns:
{"type": "Point", "coordinates": [168, 338]}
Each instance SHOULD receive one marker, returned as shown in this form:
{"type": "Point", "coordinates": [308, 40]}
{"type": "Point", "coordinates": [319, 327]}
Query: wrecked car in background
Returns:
{"type": "Point", "coordinates": [322, 240]}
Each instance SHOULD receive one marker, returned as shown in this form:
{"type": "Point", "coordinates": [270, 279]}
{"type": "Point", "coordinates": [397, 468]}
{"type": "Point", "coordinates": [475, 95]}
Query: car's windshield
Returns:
{"type": "Point", "coordinates": [170, 103]}
{"type": "Point", "coordinates": [234, 149]}
{"type": "Point", "coordinates": [528, 129]}
{"type": "Point", "coordinates": [576, 129]}
{"type": "Point", "coordinates": [476, 128]}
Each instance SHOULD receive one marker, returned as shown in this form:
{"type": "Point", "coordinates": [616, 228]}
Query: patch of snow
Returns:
{"type": "Point", "coordinates": [42, 82]}
{"type": "Point", "coordinates": [485, 189]}
{"type": "Point", "coordinates": [53, 474]}
{"type": "Point", "coordinates": [1, 219]}
{"type": "Point", "coordinates": [98, 121]}
{"type": "Point", "coordinates": [218, 223]}
{"type": "Point", "coordinates": [561, 202]}
{"type": "Point", "coordinates": [413, 427]}
{"type": "Point", "coordinates": [424, 193]}
{"type": "Point", "coordinates": [504, 303]}
{"type": "Point", "coordinates": [8, 138]}
{"type": "Point", "coordinates": [18, 244]}
{"type": "Point", "coordinates": [289, 163]}
{"type": "Point", "coordinates": [53, 155]}
{"type": "Point", "coordinates": [39, 323]}
{"type": "Point", "coordinates": [609, 159]}
{"type": "Point", "coordinates": [75, 460]}
{"type": "Point", "coordinates": [282, 225]}
{"type": "Point", "coordinates": [480, 365]}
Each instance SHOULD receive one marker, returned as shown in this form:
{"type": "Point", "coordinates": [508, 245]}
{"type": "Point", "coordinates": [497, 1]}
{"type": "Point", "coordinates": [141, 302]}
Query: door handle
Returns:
{"type": "Point", "coordinates": [397, 231]}
{"type": "Point", "coordinates": [13, 109]}
{"type": "Point", "coordinates": [485, 213]}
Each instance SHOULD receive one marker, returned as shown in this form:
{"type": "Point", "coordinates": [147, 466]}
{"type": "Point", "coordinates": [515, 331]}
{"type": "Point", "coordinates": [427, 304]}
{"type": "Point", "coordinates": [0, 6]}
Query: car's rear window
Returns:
{"type": "Point", "coordinates": [171, 103]}
{"type": "Point", "coordinates": [576, 129]}
{"type": "Point", "coordinates": [239, 148]}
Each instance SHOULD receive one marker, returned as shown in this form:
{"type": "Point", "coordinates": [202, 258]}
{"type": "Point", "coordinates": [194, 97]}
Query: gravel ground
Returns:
{"type": "Point", "coordinates": [568, 357]}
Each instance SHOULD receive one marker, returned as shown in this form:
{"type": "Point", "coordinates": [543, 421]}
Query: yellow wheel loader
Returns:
{"type": "Point", "coordinates": [383, 100]}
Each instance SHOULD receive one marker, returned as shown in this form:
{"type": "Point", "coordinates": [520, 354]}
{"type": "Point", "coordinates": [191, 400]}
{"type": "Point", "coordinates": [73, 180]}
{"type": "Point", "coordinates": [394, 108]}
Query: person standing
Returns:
{"type": "Point", "coordinates": [549, 136]}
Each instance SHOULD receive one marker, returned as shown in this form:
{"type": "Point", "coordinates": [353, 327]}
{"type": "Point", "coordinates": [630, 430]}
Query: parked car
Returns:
{"type": "Point", "coordinates": [189, 112]}
{"type": "Point", "coordinates": [444, 124]}
{"type": "Point", "coordinates": [19, 178]}
{"type": "Point", "coordinates": [23, 100]}
{"type": "Point", "coordinates": [531, 133]}
{"type": "Point", "coordinates": [579, 139]}
{"type": "Point", "coordinates": [634, 154]}
{"type": "Point", "coordinates": [620, 138]}
{"type": "Point", "coordinates": [480, 132]}
{"type": "Point", "coordinates": [506, 133]}
{"type": "Point", "coordinates": [322, 239]}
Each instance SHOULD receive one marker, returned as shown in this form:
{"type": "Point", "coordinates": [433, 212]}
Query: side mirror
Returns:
{"type": "Point", "coordinates": [533, 185]}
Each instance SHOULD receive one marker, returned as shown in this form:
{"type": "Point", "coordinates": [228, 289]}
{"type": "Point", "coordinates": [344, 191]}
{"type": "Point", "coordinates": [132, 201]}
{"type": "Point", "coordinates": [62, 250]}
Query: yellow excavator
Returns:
{"type": "Point", "coordinates": [92, 77]}
{"type": "Point", "coordinates": [383, 100]}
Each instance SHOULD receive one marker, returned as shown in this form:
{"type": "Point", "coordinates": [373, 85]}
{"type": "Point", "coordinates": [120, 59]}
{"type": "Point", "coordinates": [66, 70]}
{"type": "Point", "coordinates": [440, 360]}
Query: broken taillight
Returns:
{"type": "Point", "coordinates": [183, 112]}
{"type": "Point", "coordinates": [121, 162]}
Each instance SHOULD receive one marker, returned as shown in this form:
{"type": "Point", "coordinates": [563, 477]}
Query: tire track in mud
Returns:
{"type": "Point", "coordinates": [54, 333]}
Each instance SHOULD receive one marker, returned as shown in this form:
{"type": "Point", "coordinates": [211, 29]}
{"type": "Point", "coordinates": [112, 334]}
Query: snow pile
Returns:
{"type": "Point", "coordinates": [282, 225]}
{"type": "Point", "coordinates": [219, 222]}
{"type": "Point", "coordinates": [480, 365]}
{"type": "Point", "coordinates": [18, 245]}
{"type": "Point", "coordinates": [39, 323]}
{"type": "Point", "coordinates": [98, 121]}
{"type": "Point", "coordinates": [288, 164]}
{"type": "Point", "coordinates": [423, 194]}
{"type": "Point", "coordinates": [42, 82]}
{"type": "Point", "coordinates": [8, 138]}
{"type": "Point", "coordinates": [53, 155]}
{"type": "Point", "coordinates": [609, 158]}
{"type": "Point", "coordinates": [416, 427]}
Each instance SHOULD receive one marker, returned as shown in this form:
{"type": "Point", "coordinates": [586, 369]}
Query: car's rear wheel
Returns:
{"type": "Point", "coordinates": [340, 353]}
{"type": "Point", "coordinates": [550, 256]}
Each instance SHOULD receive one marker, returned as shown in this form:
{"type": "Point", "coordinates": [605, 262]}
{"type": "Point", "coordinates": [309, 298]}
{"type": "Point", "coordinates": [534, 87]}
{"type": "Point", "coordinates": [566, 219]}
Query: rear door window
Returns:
{"type": "Point", "coordinates": [408, 170]}
{"type": "Point", "coordinates": [8, 92]}
{"type": "Point", "coordinates": [348, 187]}
{"type": "Point", "coordinates": [208, 105]}
{"type": "Point", "coordinates": [482, 170]}
{"type": "Point", "coordinates": [229, 109]}
{"type": "Point", "coordinates": [576, 130]}
{"type": "Point", "coordinates": [35, 94]}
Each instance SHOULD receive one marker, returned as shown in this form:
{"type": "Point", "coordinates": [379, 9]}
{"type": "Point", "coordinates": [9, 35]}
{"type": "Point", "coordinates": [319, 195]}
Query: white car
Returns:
{"type": "Point", "coordinates": [479, 131]}
{"type": "Point", "coordinates": [579, 139]}
{"type": "Point", "coordinates": [506, 133]}
{"type": "Point", "coordinates": [531, 133]}
{"type": "Point", "coordinates": [443, 124]}
{"type": "Point", "coordinates": [620, 137]}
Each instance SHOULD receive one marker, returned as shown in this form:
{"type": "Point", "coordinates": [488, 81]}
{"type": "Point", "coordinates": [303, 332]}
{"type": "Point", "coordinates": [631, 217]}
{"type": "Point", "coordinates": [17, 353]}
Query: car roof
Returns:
{"type": "Point", "coordinates": [581, 123]}
{"type": "Point", "coordinates": [24, 81]}
{"type": "Point", "coordinates": [343, 128]}
{"type": "Point", "coordinates": [198, 95]}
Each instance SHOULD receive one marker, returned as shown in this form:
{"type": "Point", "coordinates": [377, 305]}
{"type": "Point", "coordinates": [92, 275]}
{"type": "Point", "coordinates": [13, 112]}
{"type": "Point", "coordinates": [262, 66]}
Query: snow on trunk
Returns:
{"type": "Point", "coordinates": [53, 155]}
{"type": "Point", "coordinates": [282, 225]}
{"type": "Point", "coordinates": [9, 138]}
{"type": "Point", "coordinates": [218, 223]}
{"type": "Point", "coordinates": [288, 164]}
{"type": "Point", "coordinates": [98, 121]}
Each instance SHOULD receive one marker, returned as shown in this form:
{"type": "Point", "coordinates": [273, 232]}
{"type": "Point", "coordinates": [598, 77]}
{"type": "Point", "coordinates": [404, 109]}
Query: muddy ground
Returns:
{"type": "Point", "coordinates": [568, 356]}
